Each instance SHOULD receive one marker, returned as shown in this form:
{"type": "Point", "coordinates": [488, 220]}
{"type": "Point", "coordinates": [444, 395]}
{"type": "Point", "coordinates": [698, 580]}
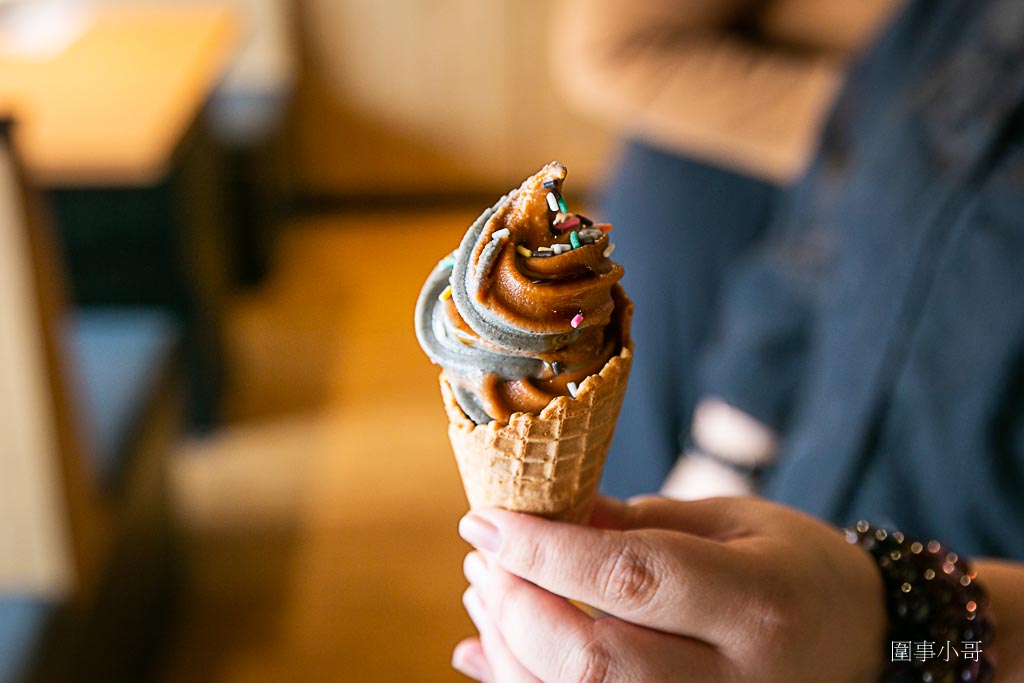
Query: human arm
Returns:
{"type": "Point", "coordinates": [1004, 582]}
{"type": "Point", "coordinates": [744, 83]}
{"type": "Point", "coordinates": [715, 590]}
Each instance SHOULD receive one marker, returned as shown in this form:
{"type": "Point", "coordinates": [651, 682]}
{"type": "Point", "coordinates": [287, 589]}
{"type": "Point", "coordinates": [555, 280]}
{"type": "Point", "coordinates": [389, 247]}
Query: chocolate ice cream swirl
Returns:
{"type": "Point", "coordinates": [527, 307]}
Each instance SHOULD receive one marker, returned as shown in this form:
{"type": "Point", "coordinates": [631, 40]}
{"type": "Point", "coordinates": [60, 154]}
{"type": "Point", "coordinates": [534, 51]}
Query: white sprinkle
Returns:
{"type": "Point", "coordinates": [500, 234]}
{"type": "Point", "coordinates": [544, 249]}
{"type": "Point", "coordinates": [552, 201]}
{"type": "Point", "coordinates": [571, 386]}
{"type": "Point", "coordinates": [561, 217]}
{"type": "Point", "coordinates": [608, 251]}
{"type": "Point", "coordinates": [561, 248]}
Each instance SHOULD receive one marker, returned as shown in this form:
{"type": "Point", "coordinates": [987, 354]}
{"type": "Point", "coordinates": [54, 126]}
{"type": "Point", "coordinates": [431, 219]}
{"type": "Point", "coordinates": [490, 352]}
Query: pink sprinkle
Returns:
{"type": "Point", "coordinates": [569, 224]}
{"type": "Point", "coordinates": [576, 321]}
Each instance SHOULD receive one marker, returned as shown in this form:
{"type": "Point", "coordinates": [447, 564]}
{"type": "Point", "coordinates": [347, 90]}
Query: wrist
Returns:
{"type": "Point", "coordinates": [1003, 580]}
{"type": "Point", "coordinates": [939, 626]}
{"type": "Point", "coordinates": [872, 626]}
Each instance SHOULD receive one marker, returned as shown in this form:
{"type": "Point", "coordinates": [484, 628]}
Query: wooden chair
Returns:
{"type": "Point", "coordinates": [89, 403]}
{"type": "Point", "coordinates": [55, 528]}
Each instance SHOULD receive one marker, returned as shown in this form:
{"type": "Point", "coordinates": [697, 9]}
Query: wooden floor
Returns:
{"type": "Point", "coordinates": [321, 522]}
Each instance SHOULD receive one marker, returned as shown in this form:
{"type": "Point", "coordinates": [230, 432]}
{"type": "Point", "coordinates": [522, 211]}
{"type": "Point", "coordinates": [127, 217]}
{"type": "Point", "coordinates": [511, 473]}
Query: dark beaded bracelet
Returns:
{"type": "Point", "coordinates": [939, 622]}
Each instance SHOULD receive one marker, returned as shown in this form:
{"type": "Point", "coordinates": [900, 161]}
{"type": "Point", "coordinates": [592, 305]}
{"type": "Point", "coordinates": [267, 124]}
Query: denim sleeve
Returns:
{"type": "Point", "coordinates": [757, 355]}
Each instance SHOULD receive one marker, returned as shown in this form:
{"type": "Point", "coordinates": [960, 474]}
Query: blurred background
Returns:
{"type": "Point", "coordinates": [222, 455]}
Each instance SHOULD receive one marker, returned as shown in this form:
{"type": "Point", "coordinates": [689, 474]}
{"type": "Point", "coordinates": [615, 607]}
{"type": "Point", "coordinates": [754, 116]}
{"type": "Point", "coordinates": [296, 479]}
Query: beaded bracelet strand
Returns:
{"type": "Point", "coordinates": [934, 605]}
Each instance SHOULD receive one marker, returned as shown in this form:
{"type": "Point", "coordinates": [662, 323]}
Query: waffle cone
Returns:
{"type": "Point", "coordinates": [548, 464]}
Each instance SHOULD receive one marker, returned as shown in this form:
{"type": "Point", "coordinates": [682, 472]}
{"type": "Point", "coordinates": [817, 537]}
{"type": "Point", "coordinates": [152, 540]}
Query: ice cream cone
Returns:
{"type": "Point", "coordinates": [548, 464]}
{"type": "Point", "coordinates": [530, 324]}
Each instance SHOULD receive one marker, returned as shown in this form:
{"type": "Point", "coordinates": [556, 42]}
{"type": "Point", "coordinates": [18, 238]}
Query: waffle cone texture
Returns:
{"type": "Point", "coordinates": [548, 464]}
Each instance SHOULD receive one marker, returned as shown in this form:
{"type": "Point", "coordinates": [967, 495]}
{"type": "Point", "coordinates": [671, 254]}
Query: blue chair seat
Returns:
{"type": "Point", "coordinates": [22, 623]}
{"type": "Point", "coordinates": [120, 357]}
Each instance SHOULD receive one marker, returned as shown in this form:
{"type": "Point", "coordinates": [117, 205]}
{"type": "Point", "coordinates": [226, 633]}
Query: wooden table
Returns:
{"type": "Point", "coordinates": [111, 130]}
{"type": "Point", "coordinates": [113, 108]}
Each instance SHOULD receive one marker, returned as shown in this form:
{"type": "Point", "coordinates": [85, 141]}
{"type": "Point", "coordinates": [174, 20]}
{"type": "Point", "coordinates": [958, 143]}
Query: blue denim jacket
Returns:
{"type": "Point", "coordinates": [881, 329]}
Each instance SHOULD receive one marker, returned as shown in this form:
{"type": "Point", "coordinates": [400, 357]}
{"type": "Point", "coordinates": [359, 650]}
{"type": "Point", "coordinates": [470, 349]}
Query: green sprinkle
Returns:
{"type": "Point", "coordinates": [446, 262]}
{"type": "Point", "coordinates": [561, 204]}
{"type": "Point", "coordinates": [574, 239]}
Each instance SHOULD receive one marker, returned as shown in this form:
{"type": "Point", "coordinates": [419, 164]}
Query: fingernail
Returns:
{"type": "Point", "coordinates": [475, 568]}
{"type": "Point", "coordinates": [468, 668]}
{"type": "Point", "coordinates": [468, 662]}
{"type": "Point", "coordinates": [480, 533]}
{"type": "Point", "coordinates": [475, 608]}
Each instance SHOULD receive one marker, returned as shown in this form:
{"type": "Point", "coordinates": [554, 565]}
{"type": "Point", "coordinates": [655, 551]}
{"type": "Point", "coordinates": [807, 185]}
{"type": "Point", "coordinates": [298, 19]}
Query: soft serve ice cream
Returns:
{"type": "Point", "coordinates": [527, 307]}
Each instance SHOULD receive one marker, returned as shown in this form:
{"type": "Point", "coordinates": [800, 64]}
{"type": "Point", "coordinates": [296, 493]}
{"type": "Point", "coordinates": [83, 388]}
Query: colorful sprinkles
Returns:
{"type": "Point", "coordinates": [581, 230]}
{"type": "Point", "coordinates": [572, 231]}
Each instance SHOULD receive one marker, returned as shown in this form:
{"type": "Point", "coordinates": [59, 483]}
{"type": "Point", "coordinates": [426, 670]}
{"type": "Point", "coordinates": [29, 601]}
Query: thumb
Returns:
{"type": "Point", "coordinates": [719, 519]}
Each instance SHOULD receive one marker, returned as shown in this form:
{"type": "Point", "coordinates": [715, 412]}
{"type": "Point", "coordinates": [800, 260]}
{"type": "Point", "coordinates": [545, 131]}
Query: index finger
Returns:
{"type": "Point", "coordinates": [668, 580]}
